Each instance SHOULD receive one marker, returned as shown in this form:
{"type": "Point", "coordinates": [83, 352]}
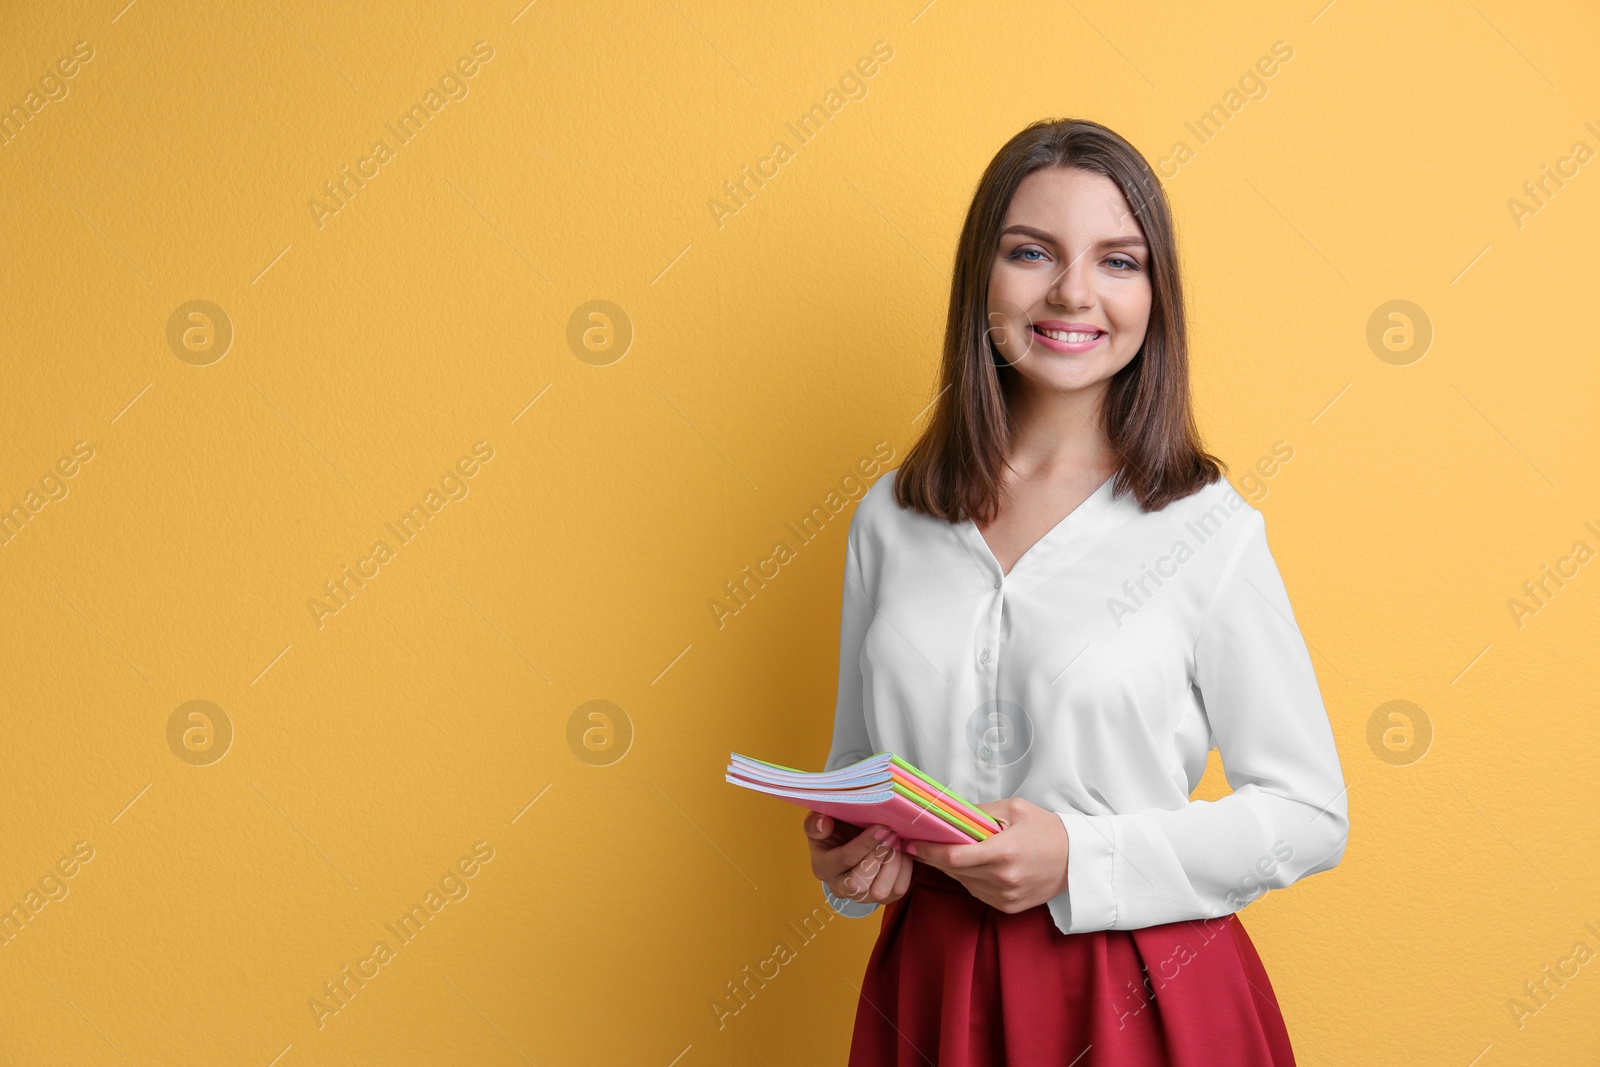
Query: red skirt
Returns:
{"type": "Point", "coordinates": [954, 982]}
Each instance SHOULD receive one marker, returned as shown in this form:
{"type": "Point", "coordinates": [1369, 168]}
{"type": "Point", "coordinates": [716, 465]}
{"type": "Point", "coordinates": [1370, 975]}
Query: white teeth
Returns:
{"type": "Point", "coordinates": [1068, 336]}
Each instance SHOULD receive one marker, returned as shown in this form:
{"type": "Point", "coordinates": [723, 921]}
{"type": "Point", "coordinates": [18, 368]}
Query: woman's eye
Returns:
{"type": "Point", "coordinates": [1034, 255]}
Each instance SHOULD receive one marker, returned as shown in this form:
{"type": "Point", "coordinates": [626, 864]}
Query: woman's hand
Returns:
{"type": "Point", "coordinates": [867, 866]}
{"type": "Point", "coordinates": [1022, 866]}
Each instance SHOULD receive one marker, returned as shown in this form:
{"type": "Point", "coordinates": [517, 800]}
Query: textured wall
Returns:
{"type": "Point", "coordinates": [349, 460]}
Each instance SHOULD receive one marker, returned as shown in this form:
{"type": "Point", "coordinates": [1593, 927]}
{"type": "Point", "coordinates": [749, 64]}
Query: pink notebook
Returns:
{"type": "Point", "coordinates": [881, 789]}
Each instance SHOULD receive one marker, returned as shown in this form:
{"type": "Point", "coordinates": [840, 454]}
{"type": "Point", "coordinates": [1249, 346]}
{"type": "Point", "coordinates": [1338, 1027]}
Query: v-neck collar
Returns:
{"type": "Point", "coordinates": [1072, 524]}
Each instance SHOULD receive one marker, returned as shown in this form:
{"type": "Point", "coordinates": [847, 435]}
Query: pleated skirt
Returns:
{"type": "Point", "coordinates": [954, 982]}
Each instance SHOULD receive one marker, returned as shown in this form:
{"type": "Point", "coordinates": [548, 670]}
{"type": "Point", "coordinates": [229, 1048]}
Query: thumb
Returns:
{"type": "Point", "coordinates": [819, 826]}
{"type": "Point", "coordinates": [998, 810]}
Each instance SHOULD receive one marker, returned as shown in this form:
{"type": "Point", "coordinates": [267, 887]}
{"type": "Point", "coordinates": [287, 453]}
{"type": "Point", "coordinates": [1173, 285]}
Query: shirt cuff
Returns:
{"type": "Point", "coordinates": [1089, 902]}
{"type": "Point", "coordinates": [850, 909]}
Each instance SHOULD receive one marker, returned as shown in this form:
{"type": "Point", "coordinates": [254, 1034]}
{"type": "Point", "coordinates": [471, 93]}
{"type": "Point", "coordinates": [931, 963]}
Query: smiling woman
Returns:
{"type": "Point", "coordinates": [1062, 471]}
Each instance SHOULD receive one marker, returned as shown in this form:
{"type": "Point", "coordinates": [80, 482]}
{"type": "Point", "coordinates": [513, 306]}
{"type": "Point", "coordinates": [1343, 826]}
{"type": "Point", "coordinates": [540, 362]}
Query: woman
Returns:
{"type": "Point", "coordinates": [1058, 606]}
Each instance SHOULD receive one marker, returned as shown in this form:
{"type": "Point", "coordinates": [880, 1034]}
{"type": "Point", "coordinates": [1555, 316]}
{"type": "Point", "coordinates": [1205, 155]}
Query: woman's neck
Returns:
{"type": "Point", "coordinates": [1060, 432]}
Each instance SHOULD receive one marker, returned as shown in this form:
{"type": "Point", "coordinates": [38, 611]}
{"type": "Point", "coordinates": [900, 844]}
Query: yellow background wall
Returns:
{"type": "Point", "coordinates": [630, 465]}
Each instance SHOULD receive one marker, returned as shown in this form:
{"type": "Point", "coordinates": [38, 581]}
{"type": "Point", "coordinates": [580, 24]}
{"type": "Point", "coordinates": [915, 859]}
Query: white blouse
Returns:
{"type": "Point", "coordinates": [1092, 680]}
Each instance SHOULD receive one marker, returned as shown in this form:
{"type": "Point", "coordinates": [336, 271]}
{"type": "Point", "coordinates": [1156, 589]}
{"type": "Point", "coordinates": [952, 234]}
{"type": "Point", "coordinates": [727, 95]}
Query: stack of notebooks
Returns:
{"type": "Point", "coordinates": [882, 789]}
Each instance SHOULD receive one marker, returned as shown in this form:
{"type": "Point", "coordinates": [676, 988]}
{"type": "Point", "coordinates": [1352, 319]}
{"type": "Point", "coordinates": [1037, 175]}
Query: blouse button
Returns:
{"type": "Point", "coordinates": [984, 657]}
{"type": "Point", "coordinates": [997, 583]}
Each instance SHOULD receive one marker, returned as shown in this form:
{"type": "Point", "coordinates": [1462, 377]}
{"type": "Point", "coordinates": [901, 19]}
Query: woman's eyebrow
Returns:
{"type": "Point", "coordinates": [1126, 241]}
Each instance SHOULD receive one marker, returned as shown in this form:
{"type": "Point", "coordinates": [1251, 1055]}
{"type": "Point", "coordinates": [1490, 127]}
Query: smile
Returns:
{"type": "Point", "coordinates": [1068, 340]}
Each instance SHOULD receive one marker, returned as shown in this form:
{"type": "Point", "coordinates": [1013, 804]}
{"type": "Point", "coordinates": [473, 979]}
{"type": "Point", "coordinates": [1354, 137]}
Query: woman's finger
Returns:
{"type": "Point", "coordinates": [902, 881]}
{"type": "Point", "coordinates": [819, 827]}
{"type": "Point", "coordinates": [852, 853]}
{"type": "Point", "coordinates": [883, 881]}
{"type": "Point", "coordinates": [856, 878]}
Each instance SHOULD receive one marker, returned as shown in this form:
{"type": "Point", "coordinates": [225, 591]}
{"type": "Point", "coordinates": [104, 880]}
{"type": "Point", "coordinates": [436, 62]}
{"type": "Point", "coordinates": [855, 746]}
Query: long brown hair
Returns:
{"type": "Point", "coordinates": [953, 470]}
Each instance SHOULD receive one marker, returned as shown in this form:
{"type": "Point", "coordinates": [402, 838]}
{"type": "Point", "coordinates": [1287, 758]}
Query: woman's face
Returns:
{"type": "Point", "coordinates": [1071, 258]}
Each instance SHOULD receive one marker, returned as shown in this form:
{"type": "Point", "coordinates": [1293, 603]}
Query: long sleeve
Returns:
{"type": "Point", "coordinates": [850, 740]}
{"type": "Point", "coordinates": [1287, 816]}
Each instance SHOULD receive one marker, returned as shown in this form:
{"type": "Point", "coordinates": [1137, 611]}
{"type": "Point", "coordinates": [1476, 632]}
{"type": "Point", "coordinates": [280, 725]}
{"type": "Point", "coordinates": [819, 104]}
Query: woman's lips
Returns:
{"type": "Point", "coordinates": [1066, 346]}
